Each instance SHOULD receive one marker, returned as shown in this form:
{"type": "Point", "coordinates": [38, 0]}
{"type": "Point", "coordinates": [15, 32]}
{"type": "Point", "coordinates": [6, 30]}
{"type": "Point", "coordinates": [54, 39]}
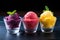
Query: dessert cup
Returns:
{"type": "Point", "coordinates": [12, 26]}
{"type": "Point", "coordinates": [47, 21]}
{"type": "Point", "coordinates": [30, 22]}
{"type": "Point", "coordinates": [30, 26]}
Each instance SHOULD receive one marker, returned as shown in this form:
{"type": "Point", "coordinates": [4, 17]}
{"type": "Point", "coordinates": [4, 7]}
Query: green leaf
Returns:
{"type": "Point", "coordinates": [8, 12]}
{"type": "Point", "coordinates": [11, 13]}
{"type": "Point", "coordinates": [14, 12]}
{"type": "Point", "coordinates": [46, 7]}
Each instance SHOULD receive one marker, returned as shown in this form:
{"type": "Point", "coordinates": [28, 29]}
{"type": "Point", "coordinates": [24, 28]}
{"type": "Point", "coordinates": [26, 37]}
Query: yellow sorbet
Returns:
{"type": "Point", "coordinates": [47, 19]}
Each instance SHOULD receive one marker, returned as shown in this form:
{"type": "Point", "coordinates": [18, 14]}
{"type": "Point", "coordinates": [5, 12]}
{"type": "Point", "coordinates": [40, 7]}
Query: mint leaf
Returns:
{"type": "Point", "coordinates": [46, 7]}
{"type": "Point", "coordinates": [11, 13]}
{"type": "Point", "coordinates": [8, 12]}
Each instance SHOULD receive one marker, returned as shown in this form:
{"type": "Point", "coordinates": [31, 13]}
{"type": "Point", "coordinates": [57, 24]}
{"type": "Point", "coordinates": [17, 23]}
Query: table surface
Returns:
{"type": "Point", "coordinates": [23, 36]}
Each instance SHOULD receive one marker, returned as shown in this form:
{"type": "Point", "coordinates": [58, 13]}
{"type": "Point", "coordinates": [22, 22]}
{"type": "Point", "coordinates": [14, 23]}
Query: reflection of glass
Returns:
{"type": "Point", "coordinates": [46, 36]}
{"type": "Point", "coordinates": [12, 26]}
{"type": "Point", "coordinates": [46, 30]}
{"type": "Point", "coordinates": [11, 36]}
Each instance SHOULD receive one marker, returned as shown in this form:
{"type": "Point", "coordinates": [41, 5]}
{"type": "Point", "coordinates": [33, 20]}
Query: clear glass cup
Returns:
{"type": "Point", "coordinates": [30, 26]}
{"type": "Point", "coordinates": [28, 30]}
{"type": "Point", "coordinates": [46, 30]}
{"type": "Point", "coordinates": [12, 27]}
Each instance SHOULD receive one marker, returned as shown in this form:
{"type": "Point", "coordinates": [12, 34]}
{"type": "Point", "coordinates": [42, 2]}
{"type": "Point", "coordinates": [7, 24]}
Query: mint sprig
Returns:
{"type": "Point", "coordinates": [11, 13]}
{"type": "Point", "coordinates": [46, 8]}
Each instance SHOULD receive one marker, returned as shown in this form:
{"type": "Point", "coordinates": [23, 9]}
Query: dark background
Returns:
{"type": "Point", "coordinates": [23, 6]}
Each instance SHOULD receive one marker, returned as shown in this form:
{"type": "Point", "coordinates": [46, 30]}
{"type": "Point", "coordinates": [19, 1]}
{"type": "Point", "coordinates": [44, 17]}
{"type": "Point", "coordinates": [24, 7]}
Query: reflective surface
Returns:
{"type": "Point", "coordinates": [23, 36]}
